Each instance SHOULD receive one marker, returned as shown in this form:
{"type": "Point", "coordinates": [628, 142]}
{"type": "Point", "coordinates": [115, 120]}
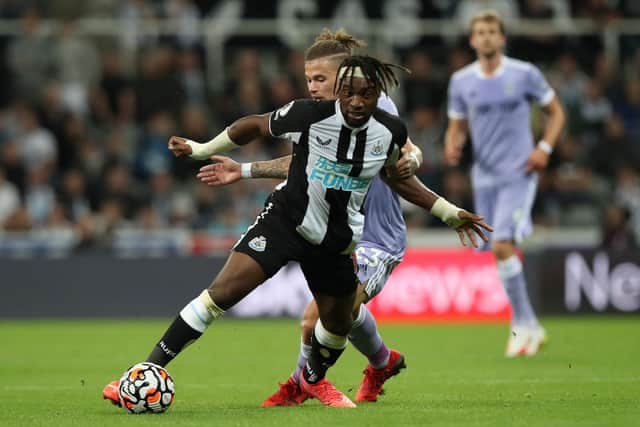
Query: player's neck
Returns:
{"type": "Point", "coordinates": [490, 64]}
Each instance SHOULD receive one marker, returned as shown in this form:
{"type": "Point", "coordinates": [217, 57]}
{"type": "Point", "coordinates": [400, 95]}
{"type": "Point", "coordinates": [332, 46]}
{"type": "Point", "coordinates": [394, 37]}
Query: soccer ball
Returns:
{"type": "Point", "coordinates": [146, 387]}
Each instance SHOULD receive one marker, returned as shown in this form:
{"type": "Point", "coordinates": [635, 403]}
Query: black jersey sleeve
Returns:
{"type": "Point", "coordinates": [295, 116]}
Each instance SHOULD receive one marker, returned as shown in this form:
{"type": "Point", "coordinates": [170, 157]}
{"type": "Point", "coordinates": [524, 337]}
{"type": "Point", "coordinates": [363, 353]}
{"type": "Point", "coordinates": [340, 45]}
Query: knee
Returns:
{"type": "Point", "coordinates": [307, 324]}
{"type": "Point", "coordinates": [227, 292]}
{"type": "Point", "coordinates": [341, 327]}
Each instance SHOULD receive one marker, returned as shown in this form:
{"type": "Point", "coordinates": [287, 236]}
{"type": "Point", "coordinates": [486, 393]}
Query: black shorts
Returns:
{"type": "Point", "coordinates": [272, 241]}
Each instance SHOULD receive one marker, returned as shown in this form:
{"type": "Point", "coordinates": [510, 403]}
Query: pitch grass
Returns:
{"type": "Point", "coordinates": [52, 374]}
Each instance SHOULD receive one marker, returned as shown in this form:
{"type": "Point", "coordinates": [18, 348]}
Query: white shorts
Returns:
{"type": "Point", "coordinates": [374, 268]}
{"type": "Point", "coordinates": [507, 207]}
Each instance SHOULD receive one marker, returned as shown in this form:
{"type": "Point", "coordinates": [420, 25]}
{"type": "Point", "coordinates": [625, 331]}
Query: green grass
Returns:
{"type": "Point", "coordinates": [52, 373]}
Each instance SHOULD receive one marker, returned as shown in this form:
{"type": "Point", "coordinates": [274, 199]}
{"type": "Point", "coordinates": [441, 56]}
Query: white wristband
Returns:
{"type": "Point", "coordinates": [245, 170]}
{"type": "Point", "coordinates": [447, 212]}
{"type": "Point", "coordinates": [220, 144]}
{"type": "Point", "coordinates": [545, 146]}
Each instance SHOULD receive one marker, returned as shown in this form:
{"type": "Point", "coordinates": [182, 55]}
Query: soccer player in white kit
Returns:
{"type": "Point", "coordinates": [490, 99]}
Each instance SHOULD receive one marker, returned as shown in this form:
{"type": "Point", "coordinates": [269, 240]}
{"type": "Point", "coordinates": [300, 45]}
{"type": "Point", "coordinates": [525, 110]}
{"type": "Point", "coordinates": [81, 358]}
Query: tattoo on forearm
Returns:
{"type": "Point", "coordinates": [276, 168]}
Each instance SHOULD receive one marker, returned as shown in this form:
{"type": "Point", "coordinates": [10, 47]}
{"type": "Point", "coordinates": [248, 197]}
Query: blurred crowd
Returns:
{"type": "Point", "coordinates": [84, 121]}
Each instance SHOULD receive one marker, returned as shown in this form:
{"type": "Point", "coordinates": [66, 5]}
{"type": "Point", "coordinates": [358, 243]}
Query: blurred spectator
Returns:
{"type": "Point", "coordinates": [607, 73]}
{"type": "Point", "coordinates": [292, 68]}
{"type": "Point", "coordinates": [426, 128]}
{"type": "Point", "coordinates": [30, 58]}
{"type": "Point", "coordinates": [78, 67]}
{"type": "Point", "coordinates": [11, 163]}
{"type": "Point", "coordinates": [466, 9]}
{"type": "Point", "coordinates": [629, 110]}
{"type": "Point", "coordinates": [109, 217]}
{"type": "Point", "coordinates": [617, 233]}
{"type": "Point", "coordinates": [571, 198]}
{"type": "Point", "coordinates": [595, 108]}
{"type": "Point", "coordinates": [601, 11]}
{"type": "Point", "coordinates": [281, 92]}
{"type": "Point", "coordinates": [135, 14]}
{"type": "Point", "coordinates": [615, 149]}
{"type": "Point", "coordinates": [539, 48]}
{"type": "Point", "coordinates": [112, 85]}
{"type": "Point", "coordinates": [152, 154]}
{"type": "Point", "coordinates": [157, 88]}
{"type": "Point", "coordinates": [9, 199]}
{"type": "Point", "coordinates": [191, 77]}
{"type": "Point", "coordinates": [245, 89]}
{"type": "Point", "coordinates": [37, 145]}
{"type": "Point", "coordinates": [40, 197]}
{"type": "Point", "coordinates": [627, 194]}
{"type": "Point", "coordinates": [187, 15]}
{"type": "Point", "coordinates": [117, 187]}
{"type": "Point", "coordinates": [422, 88]}
{"type": "Point", "coordinates": [570, 83]}
{"type": "Point", "coordinates": [73, 195]}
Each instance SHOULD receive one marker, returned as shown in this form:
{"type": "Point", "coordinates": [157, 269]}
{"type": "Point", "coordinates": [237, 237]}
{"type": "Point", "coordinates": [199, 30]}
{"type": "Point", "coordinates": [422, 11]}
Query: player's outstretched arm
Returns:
{"type": "Point", "coordinates": [467, 224]}
{"type": "Point", "coordinates": [241, 132]}
{"type": "Point", "coordinates": [227, 171]}
{"type": "Point", "coordinates": [408, 163]}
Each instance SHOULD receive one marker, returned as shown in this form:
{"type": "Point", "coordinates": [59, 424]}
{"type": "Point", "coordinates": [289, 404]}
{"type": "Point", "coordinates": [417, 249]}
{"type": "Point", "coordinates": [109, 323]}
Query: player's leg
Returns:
{"type": "Point", "coordinates": [512, 222]}
{"type": "Point", "coordinates": [374, 268]}
{"type": "Point", "coordinates": [308, 323]}
{"type": "Point", "coordinates": [334, 292]}
{"type": "Point", "coordinates": [247, 267]}
{"type": "Point", "coordinates": [240, 275]}
{"type": "Point", "coordinates": [289, 393]}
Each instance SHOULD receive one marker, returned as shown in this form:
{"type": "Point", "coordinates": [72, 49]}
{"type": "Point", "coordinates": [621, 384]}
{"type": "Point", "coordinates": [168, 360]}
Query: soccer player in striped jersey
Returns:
{"type": "Point", "coordinates": [380, 250]}
{"type": "Point", "coordinates": [490, 99]}
{"type": "Point", "coordinates": [315, 219]}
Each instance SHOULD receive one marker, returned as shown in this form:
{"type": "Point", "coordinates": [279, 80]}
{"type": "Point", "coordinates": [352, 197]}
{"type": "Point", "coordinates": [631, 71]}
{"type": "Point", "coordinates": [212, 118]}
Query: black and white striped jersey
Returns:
{"type": "Point", "coordinates": [332, 167]}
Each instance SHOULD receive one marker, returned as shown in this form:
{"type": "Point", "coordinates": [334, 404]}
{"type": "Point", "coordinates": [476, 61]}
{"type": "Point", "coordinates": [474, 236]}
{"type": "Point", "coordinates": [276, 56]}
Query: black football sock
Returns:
{"type": "Point", "coordinates": [321, 359]}
{"type": "Point", "coordinates": [177, 337]}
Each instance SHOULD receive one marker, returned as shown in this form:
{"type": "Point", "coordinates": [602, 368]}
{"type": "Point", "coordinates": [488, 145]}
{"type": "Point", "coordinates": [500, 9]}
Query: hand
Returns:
{"type": "Point", "coordinates": [226, 171]}
{"type": "Point", "coordinates": [179, 146]}
{"type": "Point", "coordinates": [407, 164]}
{"type": "Point", "coordinates": [538, 161]}
{"type": "Point", "coordinates": [473, 224]}
{"type": "Point", "coordinates": [452, 154]}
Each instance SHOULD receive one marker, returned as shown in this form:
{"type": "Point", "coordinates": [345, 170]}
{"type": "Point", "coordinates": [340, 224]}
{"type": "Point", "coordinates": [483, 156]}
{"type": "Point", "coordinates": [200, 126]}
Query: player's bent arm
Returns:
{"type": "Point", "coordinates": [555, 122]}
{"type": "Point", "coordinates": [241, 132]}
{"type": "Point", "coordinates": [276, 168]}
{"type": "Point", "coordinates": [414, 191]}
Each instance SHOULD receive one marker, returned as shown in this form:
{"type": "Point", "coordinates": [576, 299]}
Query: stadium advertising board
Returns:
{"type": "Point", "coordinates": [590, 281]}
{"type": "Point", "coordinates": [443, 285]}
{"type": "Point", "coordinates": [429, 285]}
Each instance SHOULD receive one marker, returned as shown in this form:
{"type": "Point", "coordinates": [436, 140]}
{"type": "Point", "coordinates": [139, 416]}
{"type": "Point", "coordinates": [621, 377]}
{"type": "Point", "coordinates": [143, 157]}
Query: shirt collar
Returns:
{"type": "Point", "coordinates": [496, 73]}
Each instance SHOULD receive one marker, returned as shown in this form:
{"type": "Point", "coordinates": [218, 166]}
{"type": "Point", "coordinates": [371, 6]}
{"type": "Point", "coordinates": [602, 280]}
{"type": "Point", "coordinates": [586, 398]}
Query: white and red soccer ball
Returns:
{"type": "Point", "coordinates": [146, 387]}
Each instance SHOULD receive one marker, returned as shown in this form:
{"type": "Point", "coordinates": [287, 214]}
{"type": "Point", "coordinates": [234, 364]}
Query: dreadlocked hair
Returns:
{"type": "Point", "coordinates": [375, 72]}
{"type": "Point", "coordinates": [329, 44]}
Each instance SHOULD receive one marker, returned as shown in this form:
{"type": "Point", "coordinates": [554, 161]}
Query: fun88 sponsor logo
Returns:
{"type": "Point", "coordinates": [335, 175]}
